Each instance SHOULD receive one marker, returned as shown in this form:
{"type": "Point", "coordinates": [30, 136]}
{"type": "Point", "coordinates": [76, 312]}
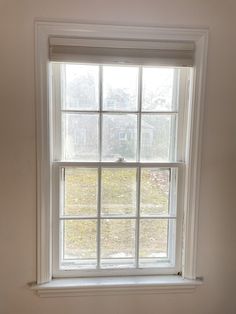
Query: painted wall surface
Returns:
{"type": "Point", "coordinates": [217, 232]}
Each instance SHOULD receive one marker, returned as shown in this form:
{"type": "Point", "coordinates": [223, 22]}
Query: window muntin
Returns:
{"type": "Point", "coordinates": [148, 149]}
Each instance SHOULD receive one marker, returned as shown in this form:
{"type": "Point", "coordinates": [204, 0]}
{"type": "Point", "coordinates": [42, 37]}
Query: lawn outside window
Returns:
{"type": "Point", "coordinates": [118, 150]}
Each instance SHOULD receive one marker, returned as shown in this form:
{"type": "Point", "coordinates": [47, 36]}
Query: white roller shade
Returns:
{"type": "Point", "coordinates": [121, 51]}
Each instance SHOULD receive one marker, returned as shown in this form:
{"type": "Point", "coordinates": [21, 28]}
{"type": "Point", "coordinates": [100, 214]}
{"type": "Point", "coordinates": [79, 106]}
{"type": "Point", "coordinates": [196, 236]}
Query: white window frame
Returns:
{"type": "Point", "coordinates": [44, 30]}
{"type": "Point", "coordinates": [170, 265]}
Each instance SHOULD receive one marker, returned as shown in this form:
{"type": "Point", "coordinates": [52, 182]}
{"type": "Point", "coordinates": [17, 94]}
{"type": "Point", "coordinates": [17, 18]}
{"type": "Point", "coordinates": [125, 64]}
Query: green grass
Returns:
{"type": "Point", "coordinates": [118, 197]}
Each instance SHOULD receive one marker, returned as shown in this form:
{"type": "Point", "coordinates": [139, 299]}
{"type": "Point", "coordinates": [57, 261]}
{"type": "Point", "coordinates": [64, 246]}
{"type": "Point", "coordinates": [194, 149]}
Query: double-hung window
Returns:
{"type": "Point", "coordinates": [118, 147]}
{"type": "Point", "coordinates": [118, 158]}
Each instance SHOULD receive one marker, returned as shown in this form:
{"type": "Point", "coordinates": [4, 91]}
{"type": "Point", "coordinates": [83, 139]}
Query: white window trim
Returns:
{"type": "Point", "coordinates": [44, 30]}
{"type": "Point", "coordinates": [116, 285]}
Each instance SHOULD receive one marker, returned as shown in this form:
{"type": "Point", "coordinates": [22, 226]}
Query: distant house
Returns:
{"type": "Point", "coordinates": [82, 137]}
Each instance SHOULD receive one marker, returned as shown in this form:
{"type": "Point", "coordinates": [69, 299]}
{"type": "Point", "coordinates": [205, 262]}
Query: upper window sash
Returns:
{"type": "Point", "coordinates": [178, 112]}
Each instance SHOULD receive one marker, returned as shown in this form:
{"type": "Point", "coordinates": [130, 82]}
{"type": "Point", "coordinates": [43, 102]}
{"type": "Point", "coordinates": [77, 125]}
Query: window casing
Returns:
{"type": "Point", "coordinates": [190, 40]}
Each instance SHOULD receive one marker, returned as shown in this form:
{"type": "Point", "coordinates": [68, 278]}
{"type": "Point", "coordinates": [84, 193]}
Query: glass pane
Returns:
{"type": "Point", "coordinates": [80, 239]}
{"type": "Point", "coordinates": [117, 242]}
{"type": "Point", "coordinates": [81, 87]}
{"type": "Point", "coordinates": [80, 136]}
{"type": "Point", "coordinates": [158, 137]}
{"type": "Point", "coordinates": [153, 239]}
{"type": "Point", "coordinates": [120, 88]}
{"type": "Point", "coordinates": [158, 89]}
{"type": "Point", "coordinates": [154, 191]}
{"type": "Point", "coordinates": [118, 191]}
{"type": "Point", "coordinates": [80, 191]}
{"type": "Point", "coordinates": [119, 139]}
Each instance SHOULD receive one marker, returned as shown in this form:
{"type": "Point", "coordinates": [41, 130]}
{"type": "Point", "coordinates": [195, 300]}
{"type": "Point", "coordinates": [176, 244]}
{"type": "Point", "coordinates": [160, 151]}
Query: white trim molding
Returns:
{"type": "Point", "coordinates": [115, 286]}
{"type": "Point", "coordinates": [195, 153]}
{"type": "Point", "coordinates": [198, 37]}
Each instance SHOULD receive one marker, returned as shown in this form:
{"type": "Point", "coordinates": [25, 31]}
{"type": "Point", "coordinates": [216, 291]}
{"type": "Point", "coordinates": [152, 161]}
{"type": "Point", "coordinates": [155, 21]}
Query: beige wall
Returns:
{"type": "Point", "coordinates": [217, 241]}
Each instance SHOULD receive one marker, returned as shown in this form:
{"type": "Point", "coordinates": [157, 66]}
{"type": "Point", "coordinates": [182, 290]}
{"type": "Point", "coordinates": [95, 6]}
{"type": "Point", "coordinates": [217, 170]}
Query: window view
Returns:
{"type": "Point", "coordinates": [117, 128]}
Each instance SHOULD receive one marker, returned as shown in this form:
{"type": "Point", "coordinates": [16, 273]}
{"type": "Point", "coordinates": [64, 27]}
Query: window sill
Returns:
{"type": "Point", "coordinates": [115, 285]}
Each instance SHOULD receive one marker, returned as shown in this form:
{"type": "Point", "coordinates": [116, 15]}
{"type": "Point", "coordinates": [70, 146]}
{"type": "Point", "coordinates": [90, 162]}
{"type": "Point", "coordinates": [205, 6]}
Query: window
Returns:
{"type": "Point", "coordinates": [118, 150]}
{"type": "Point", "coordinates": [119, 143]}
